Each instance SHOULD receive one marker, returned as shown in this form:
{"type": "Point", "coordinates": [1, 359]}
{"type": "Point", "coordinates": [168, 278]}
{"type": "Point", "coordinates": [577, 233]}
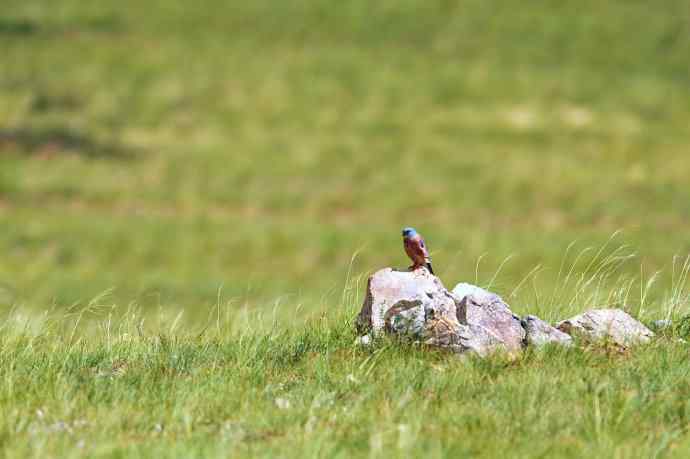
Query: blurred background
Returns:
{"type": "Point", "coordinates": [178, 155]}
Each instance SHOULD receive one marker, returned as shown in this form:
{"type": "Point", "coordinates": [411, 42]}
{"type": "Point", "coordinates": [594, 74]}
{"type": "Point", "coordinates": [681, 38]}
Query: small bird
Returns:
{"type": "Point", "coordinates": [416, 249]}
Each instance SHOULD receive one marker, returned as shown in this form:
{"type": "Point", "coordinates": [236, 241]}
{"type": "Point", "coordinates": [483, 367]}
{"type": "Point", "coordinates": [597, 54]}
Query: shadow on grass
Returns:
{"type": "Point", "coordinates": [44, 102]}
{"type": "Point", "coordinates": [17, 27]}
{"type": "Point", "coordinates": [23, 27]}
{"type": "Point", "coordinates": [59, 141]}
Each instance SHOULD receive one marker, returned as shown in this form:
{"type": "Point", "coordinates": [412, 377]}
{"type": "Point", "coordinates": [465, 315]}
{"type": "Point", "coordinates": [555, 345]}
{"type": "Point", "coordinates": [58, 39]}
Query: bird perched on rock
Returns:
{"type": "Point", "coordinates": [416, 249]}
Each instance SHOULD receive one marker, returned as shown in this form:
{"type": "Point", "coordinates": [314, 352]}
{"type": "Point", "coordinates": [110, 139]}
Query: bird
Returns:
{"type": "Point", "coordinates": [416, 249]}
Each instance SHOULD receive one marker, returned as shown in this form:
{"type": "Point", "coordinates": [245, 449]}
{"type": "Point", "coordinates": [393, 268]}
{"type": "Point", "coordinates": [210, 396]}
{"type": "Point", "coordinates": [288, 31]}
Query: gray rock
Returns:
{"type": "Point", "coordinates": [447, 332]}
{"type": "Point", "coordinates": [482, 308]}
{"type": "Point", "coordinates": [464, 338]}
{"type": "Point", "coordinates": [539, 333]}
{"type": "Point", "coordinates": [613, 325]}
{"type": "Point", "coordinates": [403, 302]}
{"type": "Point", "coordinates": [416, 305]}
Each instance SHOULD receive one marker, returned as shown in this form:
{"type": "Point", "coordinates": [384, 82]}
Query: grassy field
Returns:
{"type": "Point", "coordinates": [191, 196]}
{"type": "Point", "coordinates": [311, 393]}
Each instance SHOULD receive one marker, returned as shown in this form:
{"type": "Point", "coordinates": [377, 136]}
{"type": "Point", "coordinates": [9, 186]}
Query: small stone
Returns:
{"type": "Point", "coordinates": [282, 403]}
{"type": "Point", "coordinates": [364, 340]}
{"type": "Point", "coordinates": [540, 333]}
{"type": "Point", "coordinates": [613, 325]}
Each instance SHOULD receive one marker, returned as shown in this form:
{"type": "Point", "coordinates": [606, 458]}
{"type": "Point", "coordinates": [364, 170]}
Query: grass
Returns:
{"type": "Point", "coordinates": [221, 163]}
{"type": "Point", "coordinates": [258, 147]}
{"type": "Point", "coordinates": [124, 391]}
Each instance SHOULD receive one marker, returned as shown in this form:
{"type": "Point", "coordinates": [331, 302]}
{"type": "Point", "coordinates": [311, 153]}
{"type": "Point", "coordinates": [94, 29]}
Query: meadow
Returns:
{"type": "Point", "coordinates": [192, 197]}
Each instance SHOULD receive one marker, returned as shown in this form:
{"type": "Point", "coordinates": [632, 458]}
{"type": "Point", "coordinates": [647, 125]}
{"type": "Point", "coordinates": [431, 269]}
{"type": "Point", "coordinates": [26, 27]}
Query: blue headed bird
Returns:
{"type": "Point", "coordinates": [416, 249]}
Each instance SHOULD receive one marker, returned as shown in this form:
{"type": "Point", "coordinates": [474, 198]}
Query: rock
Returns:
{"type": "Point", "coordinates": [403, 302]}
{"type": "Point", "coordinates": [479, 307]}
{"type": "Point", "coordinates": [462, 338]}
{"type": "Point", "coordinates": [364, 340]}
{"type": "Point", "coordinates": [613, 325]}
{"type": "Point", "coordinates": [416, 305]}
{"type": "Point", "coordinates": [462, 290]}
{"type": "Point", "coordinates": [539, 333]}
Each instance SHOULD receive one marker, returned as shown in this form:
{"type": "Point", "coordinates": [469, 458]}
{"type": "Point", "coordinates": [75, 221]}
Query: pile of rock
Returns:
{"type": "Point", "coordinates": [416, 305]}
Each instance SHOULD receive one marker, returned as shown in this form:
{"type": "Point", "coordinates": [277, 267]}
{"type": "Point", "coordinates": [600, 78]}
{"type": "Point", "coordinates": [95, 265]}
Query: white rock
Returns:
{"type": "Point", "coordinates": [401, 302]}
{"type": "Point", "coordinates": [364, 340]}
{"type": "Point", "coordinates": [612, 325]}
{"type": "Point", "coordinates": [282, 403]}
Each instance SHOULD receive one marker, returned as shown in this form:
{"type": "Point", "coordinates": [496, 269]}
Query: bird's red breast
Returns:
{"type": "Point", "coordinates": [416, 249]}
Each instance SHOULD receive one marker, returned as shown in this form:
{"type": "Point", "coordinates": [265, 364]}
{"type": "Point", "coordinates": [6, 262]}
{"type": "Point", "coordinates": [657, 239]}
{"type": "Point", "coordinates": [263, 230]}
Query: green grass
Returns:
{"type": "Point", "coordinates": [312, 393]}
{"type": "Point", "coordinates": [260, 158]}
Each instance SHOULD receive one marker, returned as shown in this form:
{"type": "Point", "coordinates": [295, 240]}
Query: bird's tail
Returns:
{"type": "Point", "coordinates": [428, 266]}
